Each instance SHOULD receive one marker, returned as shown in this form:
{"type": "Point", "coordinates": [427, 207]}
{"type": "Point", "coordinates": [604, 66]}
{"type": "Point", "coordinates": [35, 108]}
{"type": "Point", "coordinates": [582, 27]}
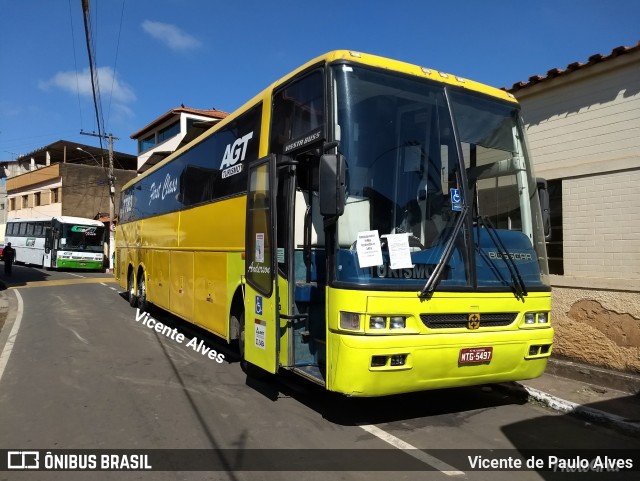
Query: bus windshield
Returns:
{"type": "Point", "coordinates": [81, 238]}
{"type": "Point", "coordinates": [405, 176]}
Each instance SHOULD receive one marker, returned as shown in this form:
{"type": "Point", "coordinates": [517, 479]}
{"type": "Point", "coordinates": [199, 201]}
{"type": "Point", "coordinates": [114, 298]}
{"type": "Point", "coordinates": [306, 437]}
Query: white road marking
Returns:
{"type": "Point", "coordinates": [77, 275]}
{"type": "Point", "coordinates": [411, 450]}
{"type": "Point", "coordinates": [8, 347]}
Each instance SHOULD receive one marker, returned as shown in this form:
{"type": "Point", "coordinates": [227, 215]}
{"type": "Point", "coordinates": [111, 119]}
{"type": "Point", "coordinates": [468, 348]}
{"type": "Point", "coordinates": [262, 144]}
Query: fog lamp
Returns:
{"type": "Point", "coordinates": [529, 318]}
{"type": "Point", "coordinates": [378, 361]}
{"type": "Point", "coordinates": [398, 360]}
{"type": "Point", "coordinates": [377, 322]}
{"type": "Point", "coordinates": [397, 322]}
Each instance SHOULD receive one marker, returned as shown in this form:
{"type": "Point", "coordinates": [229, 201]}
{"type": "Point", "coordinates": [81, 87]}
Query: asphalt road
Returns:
{"type": "Point", "coordinates": [83, 373]}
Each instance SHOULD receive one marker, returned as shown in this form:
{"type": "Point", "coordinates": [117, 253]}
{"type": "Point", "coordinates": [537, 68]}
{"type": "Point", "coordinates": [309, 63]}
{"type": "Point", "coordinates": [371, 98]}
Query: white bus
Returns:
{"type": "Point", "coordinates": [58, 242]}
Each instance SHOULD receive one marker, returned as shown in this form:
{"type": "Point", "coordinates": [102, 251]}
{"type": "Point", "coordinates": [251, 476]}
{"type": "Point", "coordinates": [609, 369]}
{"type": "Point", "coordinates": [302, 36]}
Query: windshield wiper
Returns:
{"type": "Point", "coordinates": [434, 278]}
{"type": "Point", "coordinates": [519, 287]}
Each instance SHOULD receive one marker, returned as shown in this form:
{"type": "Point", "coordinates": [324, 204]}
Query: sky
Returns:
{"type": "Point", "coordinates": [154, 55]}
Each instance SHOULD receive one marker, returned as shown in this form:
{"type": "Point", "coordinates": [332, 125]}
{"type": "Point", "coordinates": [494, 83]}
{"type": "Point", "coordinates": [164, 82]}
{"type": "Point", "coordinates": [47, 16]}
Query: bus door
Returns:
{"type": "Point", "coordinates": [261, 323]}
{"type": "Point", "coordinates": [302, 260]}
{"type": "Point", "coordinates": [50, 241]}
{"type": "Point", "coordinates": [297, 134]}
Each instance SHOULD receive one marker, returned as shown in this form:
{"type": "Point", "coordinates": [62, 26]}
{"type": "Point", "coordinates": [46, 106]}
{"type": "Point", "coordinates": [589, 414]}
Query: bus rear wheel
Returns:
{"type": "Point", "coordinates": [131, 289]}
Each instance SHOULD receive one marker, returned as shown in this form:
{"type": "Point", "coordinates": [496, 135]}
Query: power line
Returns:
{"type": "Point", "coordinates": [75, 63]}
{"type": "Point", "coordinates": [115, 63]}
{"type": "Point", "coordinates": [95, 87]}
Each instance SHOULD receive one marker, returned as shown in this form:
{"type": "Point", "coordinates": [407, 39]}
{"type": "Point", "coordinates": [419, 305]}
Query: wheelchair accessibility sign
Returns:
{"type": "Point", "coordinates": [456, 199]}
{"type": "Point", "coordinates": [258, 305]}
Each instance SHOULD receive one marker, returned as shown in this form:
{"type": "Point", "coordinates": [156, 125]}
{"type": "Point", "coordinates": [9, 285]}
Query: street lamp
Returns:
{"type": "Point", "coordinates": [112, 208]}
{"type": "Point", "coordinates": [86, 152]}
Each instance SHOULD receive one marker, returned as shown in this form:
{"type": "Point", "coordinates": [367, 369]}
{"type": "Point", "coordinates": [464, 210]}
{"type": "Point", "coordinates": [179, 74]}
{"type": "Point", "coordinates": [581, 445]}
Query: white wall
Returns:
{"type": "Point", "coordinates": [584, 128]}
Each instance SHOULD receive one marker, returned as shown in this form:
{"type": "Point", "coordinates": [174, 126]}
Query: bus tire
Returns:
{"type": "Point", "coordinates": [133, 300]}
{"type": "Point", "coordinates": [141, 288]}
{"type": "Point", "coordinates": [239, 321]}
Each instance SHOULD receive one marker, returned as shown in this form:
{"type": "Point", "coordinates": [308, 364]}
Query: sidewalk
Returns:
{"type": "Point", "coordinates": [596, 395]}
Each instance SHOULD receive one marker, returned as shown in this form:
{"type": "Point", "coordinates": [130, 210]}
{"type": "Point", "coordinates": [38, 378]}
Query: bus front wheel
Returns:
{"type": "Point", "coordinates": [239, 322]}
{"type": "Point", "coordinates": [142, 292]}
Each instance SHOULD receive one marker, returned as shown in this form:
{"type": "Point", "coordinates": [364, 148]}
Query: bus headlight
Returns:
{"type": "Point", "coordinates": [377, 322]}
{"type": "Point", "coordinates": [533, 318]}
{"type": "Point", "coordinates": [397, 322]}
{"type": "Point", "coordinates": [350, 321]}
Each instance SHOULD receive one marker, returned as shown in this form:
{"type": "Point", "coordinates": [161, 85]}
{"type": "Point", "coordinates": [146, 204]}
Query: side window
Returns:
{"type": "Point", "coordinates": [23, 228]}
{"type": "Point", "coordinates": [216, 168]}
{"type": "Point", "coordinates": [298, 114]}
{"type": "Point", "coordinates": [211, 170]}
{"type": "Point", "coordinates": [30, 228]}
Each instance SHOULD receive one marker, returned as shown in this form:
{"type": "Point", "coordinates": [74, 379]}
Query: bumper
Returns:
{"type": "Point", "coordinates": [79, 264]}
{"type": "Point", "coordinates": [432, 361]}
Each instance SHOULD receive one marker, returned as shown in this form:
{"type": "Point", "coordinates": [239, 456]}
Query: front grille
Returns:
{"type": "Point", "coordinates": [460, 321]}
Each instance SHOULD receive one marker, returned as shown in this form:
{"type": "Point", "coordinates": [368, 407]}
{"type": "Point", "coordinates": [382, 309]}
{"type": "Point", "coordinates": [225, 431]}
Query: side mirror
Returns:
{"type": "Point", "coordinates": [543, 195]}
{"type": "Point", "coordinates": [332, 185]}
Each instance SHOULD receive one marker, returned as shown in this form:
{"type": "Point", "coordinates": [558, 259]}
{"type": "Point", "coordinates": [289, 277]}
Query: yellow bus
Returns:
{"type": "Point", "coordinates": [370, 225]}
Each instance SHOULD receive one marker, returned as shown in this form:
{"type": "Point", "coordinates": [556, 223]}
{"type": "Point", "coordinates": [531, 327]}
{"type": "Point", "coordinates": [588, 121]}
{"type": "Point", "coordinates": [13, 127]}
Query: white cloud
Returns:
{"type": "Point", "coordinates": [110, 85]}
{"type": "Point", "coordinates": [170, 35]}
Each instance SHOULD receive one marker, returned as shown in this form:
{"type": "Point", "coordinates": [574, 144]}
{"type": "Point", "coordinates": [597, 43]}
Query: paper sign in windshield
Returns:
{"type": "Point", "coordinates": [399, 251]}
{"type": "Point", "coordinates": [368, 249]}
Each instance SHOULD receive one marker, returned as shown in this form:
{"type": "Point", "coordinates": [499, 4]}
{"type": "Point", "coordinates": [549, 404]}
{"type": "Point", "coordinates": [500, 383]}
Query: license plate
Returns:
{"type": "Point", "coordinates": [475, 355]}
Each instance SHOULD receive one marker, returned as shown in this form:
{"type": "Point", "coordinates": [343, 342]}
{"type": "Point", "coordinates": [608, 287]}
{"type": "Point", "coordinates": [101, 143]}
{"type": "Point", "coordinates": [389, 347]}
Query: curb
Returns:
{"type": "Point", "coordinates": [620, 381]}
{"type": "Point", "coordinates": [562, 405]}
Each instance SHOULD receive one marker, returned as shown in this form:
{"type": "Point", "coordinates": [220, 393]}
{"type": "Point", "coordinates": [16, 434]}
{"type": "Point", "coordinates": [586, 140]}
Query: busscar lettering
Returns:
{"type": "Point", "coordinates": [302, 142]}
{"type": "Point", "coordinates": [518, 256]}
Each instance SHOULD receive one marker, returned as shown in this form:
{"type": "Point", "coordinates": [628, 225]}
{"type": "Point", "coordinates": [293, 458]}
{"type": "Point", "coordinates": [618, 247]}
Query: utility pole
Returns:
{"type": "Point", "coordinates": [112, 191]}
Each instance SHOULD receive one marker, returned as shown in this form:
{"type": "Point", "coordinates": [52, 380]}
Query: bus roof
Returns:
{"type": "Point", "coordinates": [350, 56]}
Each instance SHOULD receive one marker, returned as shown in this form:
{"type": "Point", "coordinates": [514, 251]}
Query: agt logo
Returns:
{"type": "Point", "coordinates": [233, 154]}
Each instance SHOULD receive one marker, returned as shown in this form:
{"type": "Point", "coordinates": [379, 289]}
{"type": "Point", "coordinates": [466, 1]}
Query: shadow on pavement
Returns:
{"type": "Point", "coordinates": [21, 275]}
{"type": "Point", "coordinates": [575, 448]}
{"type": "Point", "coordinates": [422, 407]}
